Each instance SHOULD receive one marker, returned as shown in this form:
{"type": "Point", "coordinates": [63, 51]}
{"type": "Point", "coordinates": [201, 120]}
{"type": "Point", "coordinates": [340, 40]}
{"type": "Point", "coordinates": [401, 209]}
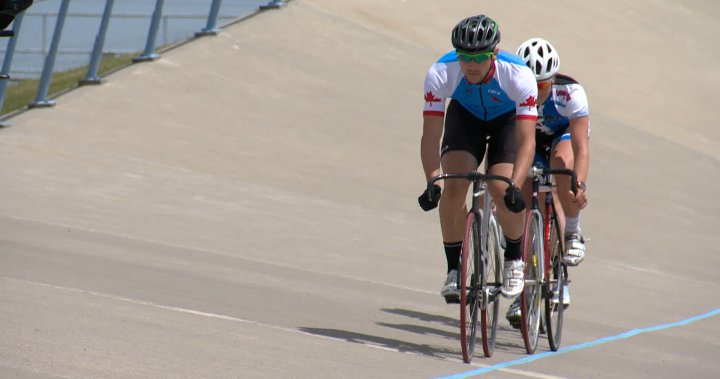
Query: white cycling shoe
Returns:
{"type": "Point", "coordinates": [574, 249]}
{"type": "Point", "coordinates": [513, 278]}
{"type": "Point", "coordinates": [450, 290]}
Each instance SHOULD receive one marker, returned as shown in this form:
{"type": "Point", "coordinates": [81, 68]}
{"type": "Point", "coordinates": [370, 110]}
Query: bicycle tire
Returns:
{"type": "Point", "coordinates": [469, 286]}
{"type": "Point", "coordinates": [532, 293]}
{"type": "Point", "coordinates": [491, 280]}
{"type": "Point", "coordinates": [554, 311]}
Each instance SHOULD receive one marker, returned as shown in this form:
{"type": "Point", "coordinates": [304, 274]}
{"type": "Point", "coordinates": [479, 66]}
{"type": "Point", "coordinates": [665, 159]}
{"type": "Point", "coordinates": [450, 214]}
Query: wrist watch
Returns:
{"type": "Point", "coordinates": [582, 185]}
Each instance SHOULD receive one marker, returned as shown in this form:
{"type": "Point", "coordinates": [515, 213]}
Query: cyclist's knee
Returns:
{"type": "Point", "coordinates": [562, 159]}
{"type": "Point", "coordinates": [454, 192]}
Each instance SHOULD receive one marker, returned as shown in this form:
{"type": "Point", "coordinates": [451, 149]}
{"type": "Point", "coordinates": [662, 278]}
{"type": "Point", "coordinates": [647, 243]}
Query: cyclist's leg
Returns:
{"type": "Point", "coordinates": [453, 203]}
{"type": "Point", "coordinates": [453, 213]}
{"type": "Point", "coordinates": [460, 150]}
{"type": "Point", "coordinates": [562, 157]}
{"type": "Point", "coordinates": [502, 149]}
{"type": "Point", "coordinates": [511, 223]}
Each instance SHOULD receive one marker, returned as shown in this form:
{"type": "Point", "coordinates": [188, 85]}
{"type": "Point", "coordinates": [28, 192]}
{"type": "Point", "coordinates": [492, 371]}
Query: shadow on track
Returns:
{"type": "Point", "coordinates": [509, 340]}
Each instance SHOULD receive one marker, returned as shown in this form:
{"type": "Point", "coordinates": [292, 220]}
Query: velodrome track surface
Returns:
{"type": "Point", "coordinates": [245, 207]}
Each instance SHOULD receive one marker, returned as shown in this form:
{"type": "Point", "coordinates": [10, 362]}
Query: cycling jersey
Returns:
{"type": "Point", "coordinates": [567, 100]}
{"type": "Point", "coordinates": [510, 85]}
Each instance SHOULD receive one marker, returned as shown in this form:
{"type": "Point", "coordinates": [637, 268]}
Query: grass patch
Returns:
{"type": "Point", "coordinates": [19, 95]}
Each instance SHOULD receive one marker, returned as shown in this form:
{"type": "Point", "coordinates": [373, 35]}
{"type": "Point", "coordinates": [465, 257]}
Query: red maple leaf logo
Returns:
{"type": "Point", "coordinates": [530, 102]}
{"type": "Point", "coordinates": [565, 94]}
{"type": "Point", "coordinates": [430, 98]}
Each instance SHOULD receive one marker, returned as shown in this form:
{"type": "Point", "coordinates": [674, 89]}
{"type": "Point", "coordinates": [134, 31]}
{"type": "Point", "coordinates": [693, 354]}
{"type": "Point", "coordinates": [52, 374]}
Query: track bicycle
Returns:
{"type": "Point", "coordinates": [480, 266]}
{"type": "Point", "coordinates": [545, 271]}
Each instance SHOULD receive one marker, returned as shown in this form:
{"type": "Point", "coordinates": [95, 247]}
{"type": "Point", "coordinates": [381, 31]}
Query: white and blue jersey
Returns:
{"type": "Point", "coordinates": [567, 101]}
{"type": "Point", "coordinates": [510, 86]}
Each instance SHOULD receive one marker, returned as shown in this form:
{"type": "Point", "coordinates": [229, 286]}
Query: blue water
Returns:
{"type": "Point", "coordinates": [127, 31]}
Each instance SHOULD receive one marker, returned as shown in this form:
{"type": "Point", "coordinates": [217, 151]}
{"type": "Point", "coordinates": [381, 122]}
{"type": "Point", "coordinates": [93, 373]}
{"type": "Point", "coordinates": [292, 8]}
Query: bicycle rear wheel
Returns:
{"type": "Point", "coordinates": [491, 280]}
{"type": "Point", "coordinates": [531, 295]}
{"type": "Point", "coordinates": [469, 286]}
{"type": "Point", "coordinates": [554, 307]}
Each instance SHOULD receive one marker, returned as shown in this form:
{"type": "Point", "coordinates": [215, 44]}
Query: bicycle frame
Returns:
{"type": "Point", "coordinates": [550, 215]}
{"type": "Point", "coordinates": [492, 290]}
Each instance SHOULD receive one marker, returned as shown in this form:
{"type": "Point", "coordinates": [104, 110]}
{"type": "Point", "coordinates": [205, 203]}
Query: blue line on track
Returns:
{"type": "Point", "coordinates": [585, 345]}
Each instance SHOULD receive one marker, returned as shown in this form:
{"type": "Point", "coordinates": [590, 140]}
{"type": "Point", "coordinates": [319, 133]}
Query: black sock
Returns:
{"type": "Point", "coordinates": [512, 249]}
{"type": "Point", "coordinates": [452, 253]}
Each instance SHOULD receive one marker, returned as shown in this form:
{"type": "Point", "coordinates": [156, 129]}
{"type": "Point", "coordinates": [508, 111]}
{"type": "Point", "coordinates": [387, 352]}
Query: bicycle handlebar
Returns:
{"type": "Point", "coordinates": [472, 176]}
{"type": "Point", "coordinates": [536, 172]}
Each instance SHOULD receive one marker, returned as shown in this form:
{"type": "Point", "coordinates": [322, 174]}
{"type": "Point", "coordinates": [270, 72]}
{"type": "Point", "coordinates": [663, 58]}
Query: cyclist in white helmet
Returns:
{"type": "Point", "coordinates": [561, 140]}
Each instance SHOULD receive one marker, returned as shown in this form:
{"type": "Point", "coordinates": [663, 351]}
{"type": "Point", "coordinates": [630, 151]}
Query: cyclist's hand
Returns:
{"type": "Point", "coordinates": [579, 198]}
{"type": "Point", "coordinates": [430, 198]}
{"type": "Point", "coordinates": [514, 200]}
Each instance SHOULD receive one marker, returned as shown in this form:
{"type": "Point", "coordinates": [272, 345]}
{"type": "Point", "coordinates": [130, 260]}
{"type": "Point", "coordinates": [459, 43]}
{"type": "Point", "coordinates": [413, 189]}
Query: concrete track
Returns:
{"type": "Point", "coordinates": [245, 207]}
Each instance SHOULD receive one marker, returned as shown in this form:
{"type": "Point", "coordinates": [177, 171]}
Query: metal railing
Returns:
{"type": "Point", "coordinates": [98, 49]}
{"type": "Point", "coordinates": [166, 34]}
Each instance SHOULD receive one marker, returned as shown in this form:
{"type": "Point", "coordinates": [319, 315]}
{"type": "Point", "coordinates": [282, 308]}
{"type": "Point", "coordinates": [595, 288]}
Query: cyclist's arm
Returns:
{"type": "Point", "coordinates": [579, 128]}
{"type": "Point", "coordinates": [525, 132]}
{"type": "Point", "coordinates": [430, 145]}
{"type": "Point", "coordinates": [525, 93]}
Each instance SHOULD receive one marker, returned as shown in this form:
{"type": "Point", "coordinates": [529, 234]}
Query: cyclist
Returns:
{"type": "Point", "coordinates": [493, 107]}
{"type": "Point", "coordinates": [562, 135]}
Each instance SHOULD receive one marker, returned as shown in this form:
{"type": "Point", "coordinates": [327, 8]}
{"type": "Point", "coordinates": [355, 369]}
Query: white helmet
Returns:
{"type": "Point", "coordinates": [541, 57]}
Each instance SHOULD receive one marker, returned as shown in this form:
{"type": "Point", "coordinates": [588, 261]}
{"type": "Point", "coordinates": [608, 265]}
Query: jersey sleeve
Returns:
{"type": "Point", "coordinates": [575, 99]}
{"type": "Point", "coordinates": [524, 93]}
{"type": "Point", "coordinates": [435, 91]}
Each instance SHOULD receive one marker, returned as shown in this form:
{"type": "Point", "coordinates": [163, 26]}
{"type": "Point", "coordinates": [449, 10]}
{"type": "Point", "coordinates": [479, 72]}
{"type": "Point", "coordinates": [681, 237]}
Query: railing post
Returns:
{"type": "Point", "coordinates": [273, 4]}
{"type": "Point", "coordinates": [92, 73]}
{"type": "Point", "coordinates": [211, 28]}
{"type": "Point", "coordinates": [7, 63]}
{"type": "Point", "coordinates": [41, 100]}
{"type": "Point", "coordinates": [149, 53]}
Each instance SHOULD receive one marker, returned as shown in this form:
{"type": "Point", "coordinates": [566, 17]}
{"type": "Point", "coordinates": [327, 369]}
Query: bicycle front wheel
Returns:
{"type": "Point", "coordinates": [531, 295]}
{"type": "Point", "coordinates": [555, 304]}
{"type": "Point", "coordinates": [469, 286]}
{"type": "Point", "coordinates": [491, 282]}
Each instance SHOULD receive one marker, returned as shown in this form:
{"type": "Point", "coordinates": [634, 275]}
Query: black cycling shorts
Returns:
{"type": "Point", "coordinates": [465, 132]}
